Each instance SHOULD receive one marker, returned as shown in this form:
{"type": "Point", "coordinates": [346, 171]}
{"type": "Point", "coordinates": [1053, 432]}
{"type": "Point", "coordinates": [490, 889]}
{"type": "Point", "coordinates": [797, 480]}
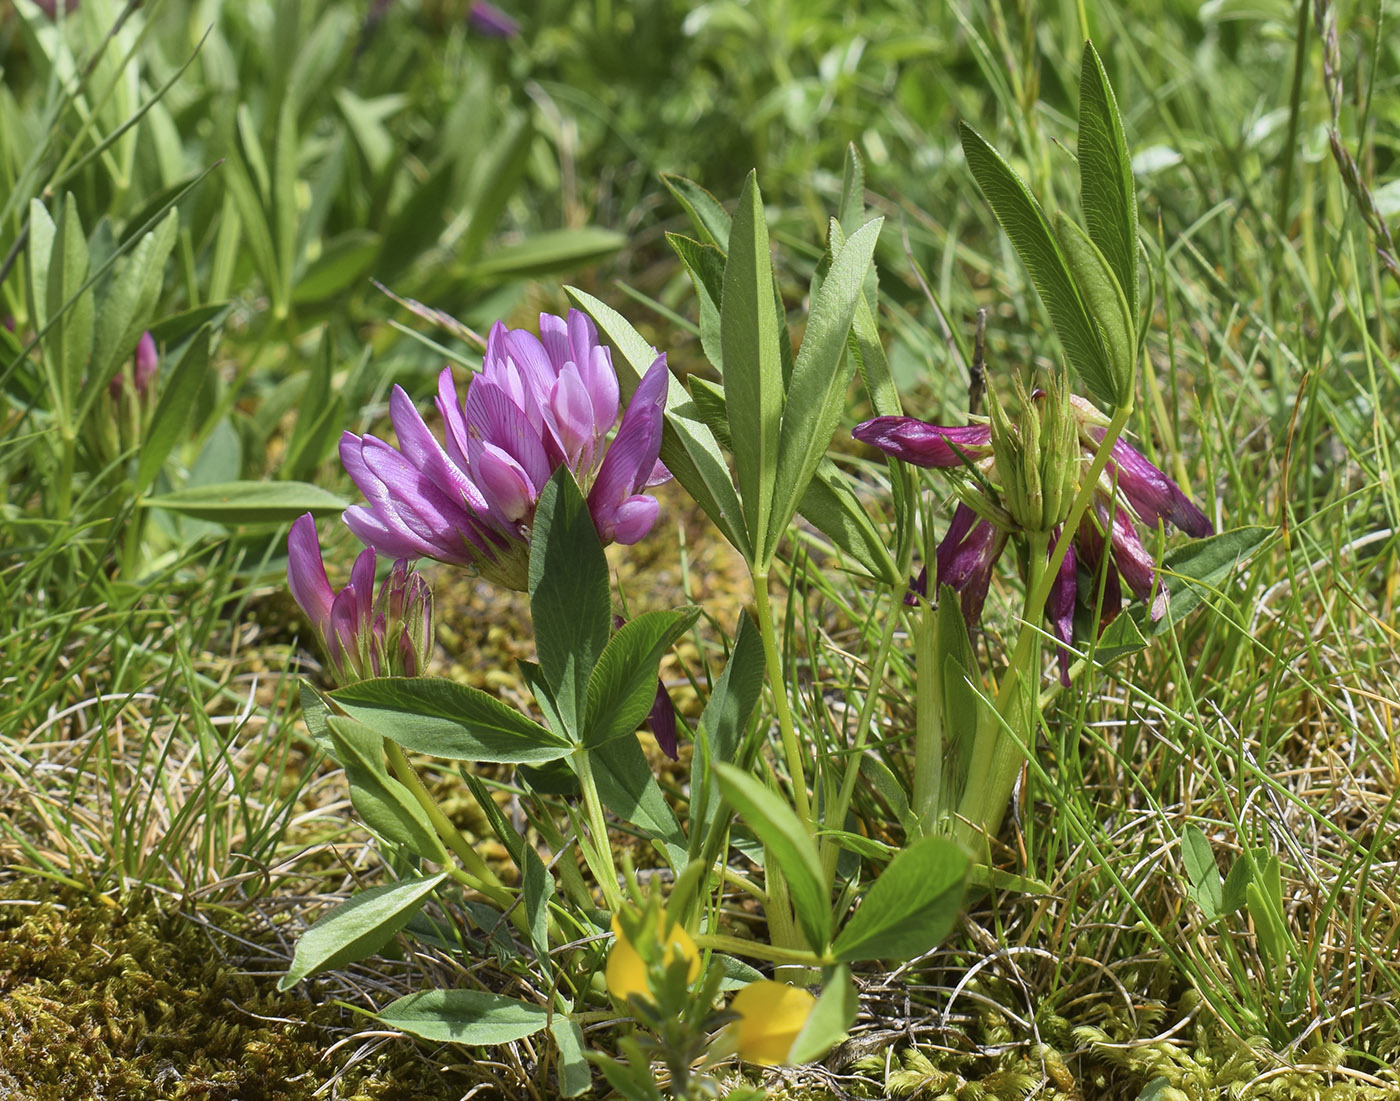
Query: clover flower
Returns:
{"type": "Point", "coordinates": [1130, 491]}
{"type": "Point", "coordinates": [364, 635]}
{"type": "Point", "coordinates": [539, 403]}
{"type": "Point", "coordinates": [627, 968]}
{"type": "Point", "coordinates": [770, 1017]}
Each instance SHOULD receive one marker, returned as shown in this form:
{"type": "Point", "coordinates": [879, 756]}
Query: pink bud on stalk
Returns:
{"type": "Point", "coordinates": [364, 635]}
{"type": "Point", "coordinates": [146, 364]}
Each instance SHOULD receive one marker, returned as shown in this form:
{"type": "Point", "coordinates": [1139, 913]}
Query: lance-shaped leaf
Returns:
{"type": "Point", "coordinates": [706, 213]}
{"type": "Point", "coordinates": [688, 447]}
{"type": "Point", "coordinates": [241, 502]}
{"type": "Point", "coordinates": [358, 927]}
{"type": "Point", "coordinates": [1106, 189]}
{"type": "Point", "coordinates": [724, 720]}
{"type": "Point", "coordinates": [475, 1017]}
{"type": "Point", "coordinates": [753, 365]}
{"type": "Point", "coordinates": [1025, 223]}
{"type": "Point", "coordinates": [1104, 298]}
{"type": "Point", "coordinates": [454, 721]}
{"type": "Point", "coordinates": [819, 384]}
{"type": "Point", "coordinates": [170, 423]}
{"type": "Point", "coordinates": [623, 684]}
{"type": "Point", "coordinates": [385, 804]}
{"type": "Point", "coordinates": [911, 907]}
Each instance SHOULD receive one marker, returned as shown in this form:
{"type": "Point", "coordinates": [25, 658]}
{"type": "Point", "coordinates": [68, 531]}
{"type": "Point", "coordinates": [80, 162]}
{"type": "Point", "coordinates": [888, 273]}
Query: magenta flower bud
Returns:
{"type": "Point", "coordinates": [539, 403]}
{"type": "Point", "coordinates": [365, 635]}
{"type": "Point", "coordinates": [486, 19]}
{"type": "Point", "coordinates": [1131, 490]}
{"type": "Point", "coordinates": [661, 721]}
{"type": "Point", "coordinates": [147, 361]}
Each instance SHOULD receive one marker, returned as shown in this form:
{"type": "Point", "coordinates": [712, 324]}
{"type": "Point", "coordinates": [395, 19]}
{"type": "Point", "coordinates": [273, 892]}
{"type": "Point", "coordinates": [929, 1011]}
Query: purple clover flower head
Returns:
{"type": "Point", "coordinates": [365, 635]}
{"type": "Point", "coordinates": [1108, 545]}
{"type": "Point", "coordinates": [539, 403]}
{"type": "Point", "coordinates": [489, 20]}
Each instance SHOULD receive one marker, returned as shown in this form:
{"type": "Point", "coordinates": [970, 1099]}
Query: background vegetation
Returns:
{"type": "Point", "coordinates": [150, 752]}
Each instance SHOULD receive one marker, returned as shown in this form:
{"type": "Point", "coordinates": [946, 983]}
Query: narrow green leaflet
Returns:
{"type": "Point", "coordinates": [1106, 188]}
{"type": "Point", "coordinates": [627, 787]}
{"type": "Point", "coordinates": [385, 804]}
{"type": "Point", "coordinates": [705, 265]}
{"type": "Point", "coordinates": [1103, 297]}
{"type": "Point", "coordinates": [575, 1077]}
{"type": "Point", "coordinates": [1202, 871]}
{"type": "Point", "coordinates": [1025, 223]}
{"type": "Point", "coordinates": [724, 720]}
{"type": "Point", "coordinates": [245, 502]}
{"type": "Point", "coordinates": [358, 927]}
{"type": "Point", "coordinates": [832, 506]}
{"type": "Point", "coordinates": [817, 395]}
{"type": "Point", "coordinates": [776, 825]}
{"type": "Point", "coordinates": [550, 251]}
{"type": "Point", "coordinates": [911, 907]}
{"type": "Point", "coordinates": [1201, 567]}
{"type": "Point", "coordinates": [444, 719]}
{"type": "Point", "coordinates": [830, 1020]}
{"type": "Point", "coordinates": [688, 447]}
{"type": "Point", "coordinates": [707, 215]}
{"type": "Point", "coordinates": [569, 596]}
{"type": "Point", "coordinates": [623, 684]}
{"type": "Point", "coordinates": [537, 888]}
{"type": "Point", "coordinates": [465, 1017]}
{"type": "Point", "coordinates": [170, 423]}
{"type": "Point", "coordinates": [753, 369]}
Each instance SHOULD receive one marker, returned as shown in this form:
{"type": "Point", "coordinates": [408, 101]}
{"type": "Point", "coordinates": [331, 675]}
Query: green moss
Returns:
{"type": "Point", "coordinates": [137, 1003]}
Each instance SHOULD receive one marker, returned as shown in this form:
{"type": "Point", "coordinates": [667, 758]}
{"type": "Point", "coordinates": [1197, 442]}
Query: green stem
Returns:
{"type": "Point", "coordinates": [780, 701]}
{"type": "Point", "coordinates": [928, 726]}
{"type": "Point", "coordinates": [598, 850]}
{"type": "Point", "coordinates": [735, 946]}
{"type": "Point", "coordinates": [450, 835]}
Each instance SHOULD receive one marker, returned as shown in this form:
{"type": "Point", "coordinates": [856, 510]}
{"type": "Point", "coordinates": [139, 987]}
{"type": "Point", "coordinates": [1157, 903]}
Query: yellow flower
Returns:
{"type": "Point", "coordinates": [627, 971]}
{"type": "Point", "coordinates": [771, 1014]}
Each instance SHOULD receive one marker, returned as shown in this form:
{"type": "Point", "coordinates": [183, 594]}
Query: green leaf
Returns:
{"type": "Point", "coordinates": [465, 1017]}
{"type": "Point", "coordinates": [1119, 639]}
{"type": "Point", "coordinates": [126, 309]}
{"type": "Point", "coordinates": [284, 202]}
{"type": "Point", "coordinates": [688, 446]}
{"type": "Point", "coordinates": [40, 251]}
{"type": "Point", "coordinates": [1025, 223]}
{"type": "Point", "coordinates": [569, 596]}
{"type": "Point", "coordinates": [537, 888]}
{"type": "Point", "coordinates": [68, 312]}
{"type": "Point", "coordinates": [852, 209]}
{"type": "Point", "coordinates": [1103, 297]}
{"type": "Point", "coordinates": [705, 265]}
{"type": "Point", "coordinates": [874, 365]}
{"type": "Point", "coordinates": [832, 506]}
{"type": "Point", "coordinates": [495, 178]}
{"type": "Point", "coordinates": [623, 684]}
{"type": "Point", "coordinates": [817, 394]}
{"type": "Point", "coordinates": [358, 927]}
{"type": "Point", "coordinates": [344, 260]}
{"type": "Point", "coordinates": [1232, 895]}
{"type": "Point", "coordinates": [776, 825]}
{"type": "Point", "coordinates": [707, 400]}
{"type": "Point", "coordinates": [707, 215]}
{"type": "Point", "coordinates": [316, 714]}
{"type": "Point", "coordinates": [1106, 188]}
{"type": "Point", "coordinates": [171, 421]}
{"type": "Point", "coordinates": [723, 723]}
{"type": "Point", "coordinates": [574, 1075]}
{"type": "Point", "coordinates": [1201, 567]}
{"type": "Point", "coordinates": [831, 1018]}
{"type": "Point", "coordinates": [1201, 869]}
{"type": "Point", "coordinates": [911, 907]}
{"type": "Point", "coordinates": [248, 502]}
{"type": "Point", "coordinates": [454, 721]}
{"type": "Point", "coordinates": [385, 804]}
{"type": "Point", "coordinates": [551, 251]}
{"type": "Point", "coordinates": [627, 787]}
{"type": "Point", "coordinates": [753, 375]}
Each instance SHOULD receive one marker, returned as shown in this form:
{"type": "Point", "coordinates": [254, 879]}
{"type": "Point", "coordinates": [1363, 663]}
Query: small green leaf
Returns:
{"type": "Point", "coordinates": [623, 684]}
{"type": "Point", "coordinates": [817, 394]}
{"type": "Point", "coordinates": [725, 718]}
{"type": "Point", "coordinates": [1106, 188]}
{"type": "Point", "coordinates": [705, 265]}
{"type": "Point", "coordinates": [385, 804]}
{"type": "Point", "coordinates": [1103, 297]}
{"type": "Point", "coordinates": [911, 907]}
{"type": "Point", "coordinates": [465, 1017]}
{"type": "Point", "coordinates": [170, 423]}
{"type": "Point", "coordinates": [574, 1075]}
{"type": "Point", "coordinates": [569, 596]}
{"type": "Point", "coordinates": [688, 447]}
{"type": "Point", "coordinates": [1201, 567]}
{"type": "Point", "coordinates": [551, 251]}
{"type": "Point", "coordinates": [344, 260]}
{"type": "Point", "coordinates": [1201, 869]}
{"type": "Point", "coordinates": [833, 508]}
{"type": "Point", "coordinates": [776, 825]}
{"type": "Point", "coordinates": [627, 787]}
{"type": "Point", "coordinates": [444, 719]}
{"type": "Point", "coordinates": [753, 378]}
{"type": "Point", "coordinates": [707, 215]}
{"type": "Point", "coordinates": [831, 1018]}
{"type": "Point", "coordinates": [249, 502]}
{"type": "Point", "coordinates": [537, 888]}
{"type": "Point", "coordinates": [1025, 223]}
{"type": "Point", "coordinates": [68, 312]}
{"type": "Point", "coordinates": [358, 927]}
{"type": "Point", "coordinates": [495, 179]}
{"type": "Point", "coordinates": [126, 309]}
{"type": "Point", "coordinates": [1232, 895]}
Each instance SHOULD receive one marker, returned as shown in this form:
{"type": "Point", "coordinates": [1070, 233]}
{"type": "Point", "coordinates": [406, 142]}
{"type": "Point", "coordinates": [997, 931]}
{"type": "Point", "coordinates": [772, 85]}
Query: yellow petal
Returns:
{"type": "Point", "coordinates": [626, 972]}
{"type": "Point", "coordinates": [771, 1014]}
